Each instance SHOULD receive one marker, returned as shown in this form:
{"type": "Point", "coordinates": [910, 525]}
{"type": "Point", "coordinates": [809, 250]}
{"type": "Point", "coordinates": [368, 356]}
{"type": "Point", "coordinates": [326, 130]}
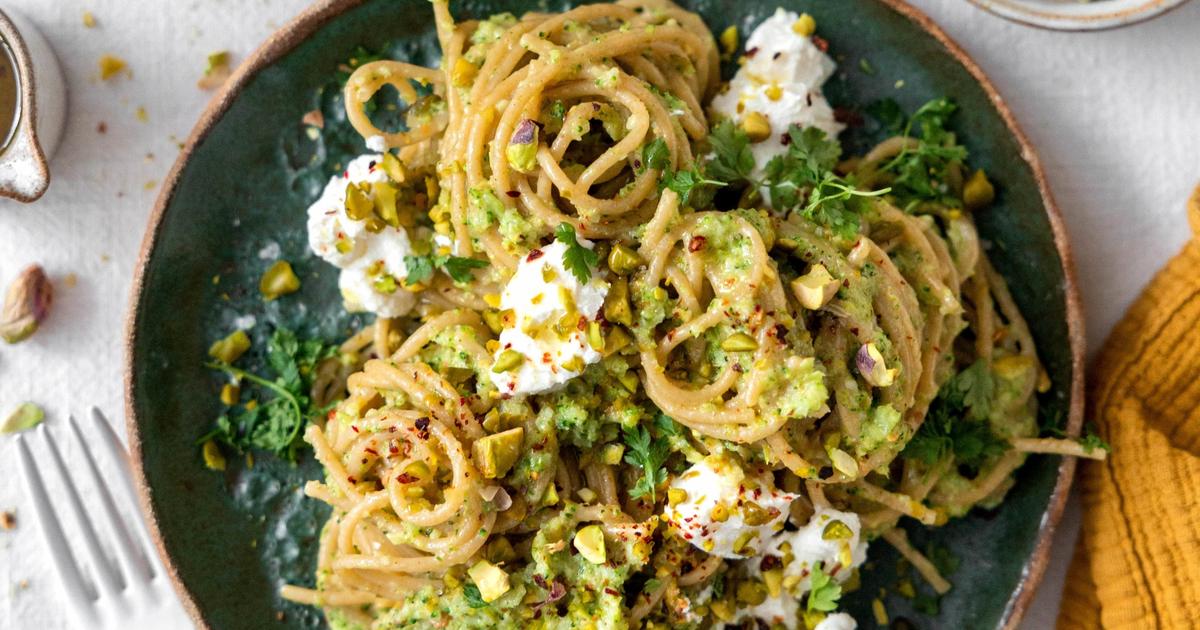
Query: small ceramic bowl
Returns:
{"type": "Point", "coordinates": [1077, 15]}
{"type": "Point", "coordinates": [32, 117]}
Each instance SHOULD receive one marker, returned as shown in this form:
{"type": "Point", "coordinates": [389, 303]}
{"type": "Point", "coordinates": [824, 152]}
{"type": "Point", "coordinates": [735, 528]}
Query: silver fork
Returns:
{"type": "Point", "coordinates": [129, 587]}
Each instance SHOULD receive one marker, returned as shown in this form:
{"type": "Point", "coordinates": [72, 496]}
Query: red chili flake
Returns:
{"type": "Point", "coordinates": [780, 331]}
{"type": "Point", "coordinates": [540, 581]}
{"type": "Point", "coordinates": [331, 415]}
{"type": "Point", "coordinates": [770, 562]}
{"type": "Point", "coordinates": [371, 451]}
{"type": "Point", "coordinates": [777, 55]}
{"type": "Point", "coordinates": [513, 193]}
{"type": "Point", "coordinates": [351, 479]}
{"type": "Point", "coordinates": [405, 478]}
{"type": "Point", "coordinates": [687, 536]}
{"type": "Point", "coordinates": [371, 166]}
{"type": "Point", "coordinates": [614, 592]}
{"type": "Point", "coordinates": [534, 255]}
{"type": "Point", "coordinates": [354, 428]}
{"type": "Point", "coordinates": [750, 53]}
{"type": "Point", "coordinates": [696, 244]}
{"type": "Point", "coordinates": [546, 358]}
{"type": "Point", "coordinates": [820, 42]}
{"type": "Point", "coordinates": [583, 323]}
{"type": "Point", "coordinates": [393, 449]}
{"type": "Point", "coordinates": [786, 139]}
{"type": "Point", "coordinates": [422, 425]}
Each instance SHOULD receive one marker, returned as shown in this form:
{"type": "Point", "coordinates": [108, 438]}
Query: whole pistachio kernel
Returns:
{"type": "Point", "coordinates": [358, 205]}
{"type": "Point", "coordinates": [494, 322]}
{"type": "Point", "coordinates": [230, 348]}
{"type": "Point", "coordinates": [837, 530]}
{"type": "Point", "coordinates": [675, 496]}
{"type": "Point", "coordinates": [756, 126]}
{"type": "Point", "coordinates": [507, 361]}
{"type": "Point", "coordinates": [278, 280]}
{"type": "Point", "coordinates": [623, 260]}
{"type": "Point", "coordinates": [844, 462]}
{"type": "Point", "coordinates": [522, 146]}
{"type": "Point", "coordinates": [739, 342]}
{"type": "Point", "coordinates": [214, 459]}
{"type": "Point", "coordinates": [589, 541]}
{"type": "Point", "coordinates": [230, 394]}
{"type": "Point", "coordinates": [495, 454]}
{"type": "Point", "coordinates": [26, 304]}
{"type": "Point", "coordinates": [616, 303]}
{"type": "Point", "coordinates": [491, 580]}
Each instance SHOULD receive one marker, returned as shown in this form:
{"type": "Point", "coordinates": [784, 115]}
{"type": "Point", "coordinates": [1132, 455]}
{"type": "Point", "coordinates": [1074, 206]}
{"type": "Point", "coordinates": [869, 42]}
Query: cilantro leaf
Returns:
{"type": "Point", "coordinates": [282, 405]}
{"type": "Point", "coordinates": [825, 591]}
{"type": "Point", "coordinates": [578, 259]}
{"type": "Point", "coordinates": [732, 159]}
{"type": "Point", "coordinates": [648, 454]}
{"type": "Point", "coordinates": [921, 172]}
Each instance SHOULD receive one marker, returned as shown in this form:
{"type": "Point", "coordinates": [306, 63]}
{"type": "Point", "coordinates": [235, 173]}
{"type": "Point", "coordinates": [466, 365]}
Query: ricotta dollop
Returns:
{"type": "Point", "coordinates": [372, 263]}
{"type": "Point", "coordinates": [780, 79]}
{"type": "Point", "coordinates": [547, 313]}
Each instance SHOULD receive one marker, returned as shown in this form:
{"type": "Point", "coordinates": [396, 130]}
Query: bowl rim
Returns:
{"type": "Point", "coordinates": [1091, 16]}
{"type": "Point", "coordinates": [285, 39]}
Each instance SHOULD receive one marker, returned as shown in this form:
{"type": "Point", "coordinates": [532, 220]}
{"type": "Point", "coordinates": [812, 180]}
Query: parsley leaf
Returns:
{"type": "Point", "coordinates": [648, 454]}
{"type": "Point", "coordinates": [275, 422]}
{"type": "Point", "coordinates": [957, 422]}
{"type": "Point", "coordinates": [472, 595]}
{"type": "Point", "coordinates": [692, 186]}
{"type": "Point", "coordinates": [825, 591]}
{"type": "Point", "coordinates": [578, 259]}
{"type": "Point", "coordinates": [1091, 441]}
{"type": "Point", "coordinates": [920, 173]}
{"type": "Point", "coordinates": [655, 155]}
{"type": "Point", "coordinates": [732, 159]}
{"type": "Point", "coordinates": [420, 268]}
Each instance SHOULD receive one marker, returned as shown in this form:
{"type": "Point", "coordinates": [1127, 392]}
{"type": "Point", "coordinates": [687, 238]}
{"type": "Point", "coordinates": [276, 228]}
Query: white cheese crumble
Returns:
{"type": "Point", "coordinates": [781, 79]}
{"type": "Point", "coordinates": [377, 144]}
{"type": "Point", "coordinates": [727, 511]}
{"type": "Point", "coordinates": [372, 263]}
{"type": "Point", "coordinates": [547, 314]}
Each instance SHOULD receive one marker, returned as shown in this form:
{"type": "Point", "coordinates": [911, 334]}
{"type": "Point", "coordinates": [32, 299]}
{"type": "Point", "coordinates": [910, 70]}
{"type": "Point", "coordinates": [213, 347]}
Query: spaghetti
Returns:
{"type": "Point", "coordinates": [736, 335]}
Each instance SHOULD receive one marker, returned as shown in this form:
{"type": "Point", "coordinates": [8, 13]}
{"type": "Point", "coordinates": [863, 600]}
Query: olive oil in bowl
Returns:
{"type": "Point", "coordinates": [10, 96]}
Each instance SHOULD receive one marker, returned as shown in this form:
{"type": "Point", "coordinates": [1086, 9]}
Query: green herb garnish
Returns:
{"type": "Point", "coordinates": [957, 422]}
{"type": "Point", "coordinates": [921, 173]}
{"type": "Point", "coordinates": [825, 591]}
{"type": "Point", "coordinates": [577, 259]}
{"type": "Point", "coordinates": [274, 424]}
{"type": "Point", "coordinates": [691, 186]}
{"type": "Point", "coordinates": [473, 597]}
{"type": "Point", "coordinates": [648, 454]}
{"type": "Point", "coordinates": [655, 155]}
{"type": "Point", "coordinates": [420, 268]}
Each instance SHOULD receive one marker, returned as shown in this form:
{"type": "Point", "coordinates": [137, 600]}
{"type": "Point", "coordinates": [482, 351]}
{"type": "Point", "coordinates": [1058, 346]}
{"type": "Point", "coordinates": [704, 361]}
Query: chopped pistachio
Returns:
{"type": "Point", "coordinates": [722, 609]}
{"type": "Point", "coordinates": [773, 580]}
{"type": "Point", "coordinates": [278, 280]}
{"type": "Point", "coordinates": [89, 20]}
{"type": "Point", "coordinates": [756, 126]}
{"type": "Point", "coordinates": [675, 496]}
{"type": "Point", "coordinates": [495, 454]}
{"type": "Point", "coordinates": [978, 191]}
{"type": "Point", "coordinates": [837, 530]}
{"type": "Point", "coordinates": [719, 513]}
{"type": "Point", "coordinates": [491, 317]}
{"type": "Point", "coordinates": [871, 366]}
{"type": "Point", "coordinates": [490, 579]}
{"type": "Point", "coordinates": [611, 454]}
{"type": "Point", "coordinates": [623, 260]}
{"type": "Point", "coordinates": [491, 420]}
{"type": "Point", "coordinates": [26, 304]}
{"type": "Point", "coordinates": [816, 288]}
{"type": "Point", "coordinates": [463, 73]}
{"type": "Point", "coordinates": [231, 348]}
{"type": "Point", "coordinates": [739, 342]}
{"type": "Point", "coordinates": [230, 394]}
{"type": "Point", "coordinates": [110, 65]}
{"type": "Point", "coordinates": [742, 545]}
{"type": "Point", "coordinates": [25, 416]}
{"type": "Point", "coordinates": [616, 303]}
{"type": "Point", "coordinates": [629, 381]}
{"type": "Point", "coordinates": [587, 495]}
{"type": "Point", "coordinates": [729, 40]}
{"type": "Point", "coordinates": [617, 340]}
{"type": "Point", "coordinates": [216, 61]}
{"type": "Point", "coordinates": [805, 26]}
{"type": "Point", "coordinates": [499, 550]}
{"type": "Point", "coordinates": [507, 361]}
{"type": "Point", "coordinates": [751, 592]}
{"type": "Point", "coordinates": [843, 462]}
{"type": "Point", "coordinates": [551, 496]}
{"type": "Point", "coordinates": [595, 336]}
{"type": "Point", "coordinates": [358, 205]}
{"type": "Point", "coordinates": [589, 541]}
{"type": "Point", "coordinates": [574, 364]}
{"type": "Point", "coordinates": [392, 166]}
{"type": "Point", "coordinates": [523, 146]}
{"type": "Point", "coordinates": [214, 459]}
{"type": "Point", "coordinates": [754, 514]}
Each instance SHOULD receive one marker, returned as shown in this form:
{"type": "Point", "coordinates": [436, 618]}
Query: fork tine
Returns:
{"type": "Point", "coordinates": [106, 579]}
{"type": "Point", "coordinates": [129, 554]}
{"type": "Point", "coordinates": [77, 589]}
{"type": "Point", "coordinates": [115, 451]}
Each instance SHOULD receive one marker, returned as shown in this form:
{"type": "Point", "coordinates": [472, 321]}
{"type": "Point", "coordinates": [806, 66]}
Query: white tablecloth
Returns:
{"type": "Point", "coordinates": [1114, 115]}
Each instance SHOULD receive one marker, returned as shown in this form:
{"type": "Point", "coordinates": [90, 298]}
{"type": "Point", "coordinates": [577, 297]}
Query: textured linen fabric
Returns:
{"type": "Point", "coordinates": [1137, 562]}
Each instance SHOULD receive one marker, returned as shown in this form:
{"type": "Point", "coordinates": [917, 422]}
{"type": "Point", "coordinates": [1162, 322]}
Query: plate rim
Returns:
{"type": "Point", "coordinates": [288, 37]}
{"type": "Point", "coordinates": [1079, 17]}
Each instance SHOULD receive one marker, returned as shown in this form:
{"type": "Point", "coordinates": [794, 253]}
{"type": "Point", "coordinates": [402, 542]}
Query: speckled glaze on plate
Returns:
{"type": "Point", "coordinates": [242, 183]}
{"type": "Point", "coordinates": [1074, 15]}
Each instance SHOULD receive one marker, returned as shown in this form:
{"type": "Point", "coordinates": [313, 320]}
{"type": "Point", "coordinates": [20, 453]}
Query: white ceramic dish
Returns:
{"type": "Point", "coordinates": [1077, 15]}
{"type": "Point", "coordinates": [41, 111]}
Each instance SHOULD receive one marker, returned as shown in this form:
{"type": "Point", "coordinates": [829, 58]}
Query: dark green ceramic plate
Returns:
{"type": "Point", "coordinates": [249, 171]}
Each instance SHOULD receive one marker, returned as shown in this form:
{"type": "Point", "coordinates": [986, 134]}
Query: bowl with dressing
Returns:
{"type": "Point", "coordinates": [32, 108]}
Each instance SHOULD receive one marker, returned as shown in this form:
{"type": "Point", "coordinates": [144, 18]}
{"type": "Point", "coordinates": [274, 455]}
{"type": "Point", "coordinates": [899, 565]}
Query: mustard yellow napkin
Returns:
{"type": "Point", "coordinates": [1137, 564]}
